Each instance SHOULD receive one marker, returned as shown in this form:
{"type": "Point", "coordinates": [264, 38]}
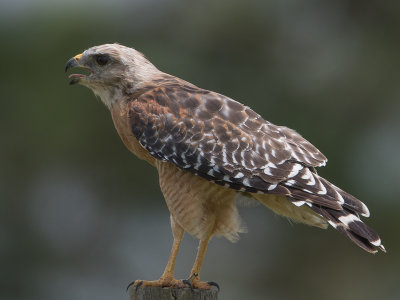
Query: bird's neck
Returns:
{"type": "Point", "coordinates": [109, 95]}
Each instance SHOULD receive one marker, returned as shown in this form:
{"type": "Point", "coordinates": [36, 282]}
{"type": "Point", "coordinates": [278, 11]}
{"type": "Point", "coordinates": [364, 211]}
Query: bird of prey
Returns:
{"type": "Point", "coordinates": [207, 149]}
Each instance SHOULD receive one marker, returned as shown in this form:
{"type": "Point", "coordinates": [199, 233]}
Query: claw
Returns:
{"type": "Point", "coordinates": [212, 283]}
{"type": "Point", "coordinates": [133, 284]}
{"type": "Point", "coordinates": [129, 285]}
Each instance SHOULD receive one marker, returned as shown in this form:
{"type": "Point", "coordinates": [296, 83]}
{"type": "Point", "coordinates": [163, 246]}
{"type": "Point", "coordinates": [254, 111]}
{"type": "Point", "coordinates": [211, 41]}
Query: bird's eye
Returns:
{"type": "Point", "coordinates": [102, 59]}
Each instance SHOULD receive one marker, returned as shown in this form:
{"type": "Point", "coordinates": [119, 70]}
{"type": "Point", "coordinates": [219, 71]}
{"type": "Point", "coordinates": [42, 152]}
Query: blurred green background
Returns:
{"type": "Point", "coordinates": [80, 217]}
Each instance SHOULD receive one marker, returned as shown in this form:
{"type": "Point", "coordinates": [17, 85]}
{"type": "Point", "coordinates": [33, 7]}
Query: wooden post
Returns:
{"type": "Point", "coordinates": [158, 293]}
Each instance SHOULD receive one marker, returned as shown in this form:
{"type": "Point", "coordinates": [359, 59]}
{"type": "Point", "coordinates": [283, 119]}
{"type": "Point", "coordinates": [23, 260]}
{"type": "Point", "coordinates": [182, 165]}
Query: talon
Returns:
{"type": "Point", "coordinates": [212, 283]}
{"type": "Point", "coordinates": [129, 285]}
{"type": "Point", "coordinates": [187, 282]}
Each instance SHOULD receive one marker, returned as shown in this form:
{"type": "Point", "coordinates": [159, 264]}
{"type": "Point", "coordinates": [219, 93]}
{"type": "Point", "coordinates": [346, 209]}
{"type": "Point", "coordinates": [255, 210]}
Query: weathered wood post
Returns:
{"type": "Point", "coordinates": [158, 293]}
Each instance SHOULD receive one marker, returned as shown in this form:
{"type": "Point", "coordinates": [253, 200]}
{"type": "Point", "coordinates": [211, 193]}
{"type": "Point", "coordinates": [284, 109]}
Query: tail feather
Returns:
{"type": "Point", "coordinates": [350, 202]}
{"type": "Point", "coordinates": [351, 226]}
{"type": "Point", "coordinates": [313, 199]}
{"type": "Point", "coordinates": [359, 241]}
{"type": "Point", "coordinates": [339, 208]}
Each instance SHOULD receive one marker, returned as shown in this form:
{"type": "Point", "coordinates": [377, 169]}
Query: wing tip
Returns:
{"type": "Point", "coordinates": [350, 225]}
{"type": "Point", "coordinates": [365, 211]}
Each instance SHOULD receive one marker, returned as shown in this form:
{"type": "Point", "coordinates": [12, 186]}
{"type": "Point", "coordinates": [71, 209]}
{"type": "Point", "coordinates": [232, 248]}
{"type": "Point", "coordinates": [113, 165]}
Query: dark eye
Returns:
{"type": "Point", "coordinates": [102, 59]}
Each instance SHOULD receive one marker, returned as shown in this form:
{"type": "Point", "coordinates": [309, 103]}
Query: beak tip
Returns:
{"type": "Point", "coordinates": [71, 63]}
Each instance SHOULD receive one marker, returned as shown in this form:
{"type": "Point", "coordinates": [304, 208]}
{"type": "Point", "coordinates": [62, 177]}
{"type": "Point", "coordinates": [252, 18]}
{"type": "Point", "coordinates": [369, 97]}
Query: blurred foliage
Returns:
{"type": "Point", "coordinates": [81, 217]}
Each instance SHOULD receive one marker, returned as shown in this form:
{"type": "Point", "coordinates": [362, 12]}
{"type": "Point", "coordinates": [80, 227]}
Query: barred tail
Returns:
{"type": "Point", "coordinates": [350, 225]}
{"type": "Point", "coordinates": [339, 208]}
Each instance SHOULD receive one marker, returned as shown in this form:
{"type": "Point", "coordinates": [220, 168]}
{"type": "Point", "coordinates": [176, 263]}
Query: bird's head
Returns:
{"type": "Point", "coordinates": [114, 71]}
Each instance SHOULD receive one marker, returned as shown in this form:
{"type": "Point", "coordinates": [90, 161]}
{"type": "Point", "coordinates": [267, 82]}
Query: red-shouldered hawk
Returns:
{"type": "Point", "coordinates": [207, 148]}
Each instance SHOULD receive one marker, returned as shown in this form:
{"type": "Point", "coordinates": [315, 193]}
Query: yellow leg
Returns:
{"type": "Point", "coordinates": [177, 232]}
{"type": "Point", "coordinates": [195, 273]}
{"type": "Point", "coordinates": [201, 252]}
{"type": "Point", "coordinates": [167, 278]}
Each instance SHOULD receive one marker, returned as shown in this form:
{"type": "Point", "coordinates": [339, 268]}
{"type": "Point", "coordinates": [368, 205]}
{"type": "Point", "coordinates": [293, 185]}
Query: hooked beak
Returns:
{"type": "Point", "coordinates": [73, 63]}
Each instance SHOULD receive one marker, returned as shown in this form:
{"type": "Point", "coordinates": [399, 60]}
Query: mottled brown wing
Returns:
{"type": "Point", "coordinates": [218, 138]}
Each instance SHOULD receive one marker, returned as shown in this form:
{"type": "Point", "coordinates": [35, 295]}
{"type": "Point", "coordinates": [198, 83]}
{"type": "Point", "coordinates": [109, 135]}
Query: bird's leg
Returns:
{"type": "Point", "coordinates": [177, 232]}
{"type": "Point", "coordinates": [167, 278]}
{"type": "Point", "coordinates": [194, 278]}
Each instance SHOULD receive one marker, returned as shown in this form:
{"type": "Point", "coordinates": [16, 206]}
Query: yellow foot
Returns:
{"type": "Point", "coordinates": [173, 283]}
{"type": "Point", "coordinates": [195, 283]}
{"type": "Point", "coordinates": [202, 285]}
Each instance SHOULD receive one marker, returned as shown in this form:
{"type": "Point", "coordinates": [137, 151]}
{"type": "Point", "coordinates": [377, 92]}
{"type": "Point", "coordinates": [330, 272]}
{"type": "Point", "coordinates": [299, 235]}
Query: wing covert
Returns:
{"type": "Point", "coordinates": [218, 138]}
